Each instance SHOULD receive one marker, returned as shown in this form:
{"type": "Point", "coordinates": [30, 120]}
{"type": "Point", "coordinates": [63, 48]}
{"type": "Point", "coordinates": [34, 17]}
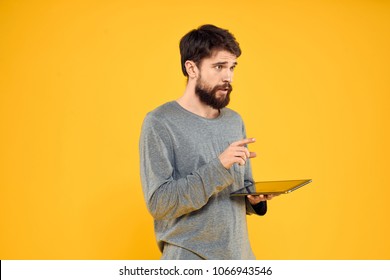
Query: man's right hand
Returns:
{"type": "Point", "coordinates": [237, 152]}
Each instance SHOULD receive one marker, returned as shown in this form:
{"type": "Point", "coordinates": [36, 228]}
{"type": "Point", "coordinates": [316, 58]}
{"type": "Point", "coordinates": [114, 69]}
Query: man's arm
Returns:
{"type": "Point", "coordinates": [167, 198]}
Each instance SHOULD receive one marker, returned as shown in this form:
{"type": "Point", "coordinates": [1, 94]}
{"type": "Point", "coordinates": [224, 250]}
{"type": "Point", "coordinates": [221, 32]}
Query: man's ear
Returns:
{"type": "Point", "coordinates": [192, 69]}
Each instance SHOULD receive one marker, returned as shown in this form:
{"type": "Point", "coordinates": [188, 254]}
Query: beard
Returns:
{"type": "Point", "coordinates": [208, 94]}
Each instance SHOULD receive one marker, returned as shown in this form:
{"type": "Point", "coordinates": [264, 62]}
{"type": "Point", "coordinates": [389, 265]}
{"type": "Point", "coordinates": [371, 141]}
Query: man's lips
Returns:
{"type": "Point", "coordinates": [223, 91]}
{"type": "Point", "coordinates": [224, 88]}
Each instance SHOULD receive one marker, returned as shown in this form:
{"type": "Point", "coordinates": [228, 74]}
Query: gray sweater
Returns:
{"type": "Point", "coordinates": [186, 187]}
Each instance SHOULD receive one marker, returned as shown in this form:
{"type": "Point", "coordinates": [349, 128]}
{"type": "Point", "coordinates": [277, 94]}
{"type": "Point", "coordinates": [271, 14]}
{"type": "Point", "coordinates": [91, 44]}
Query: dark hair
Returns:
{"type": "Point", "coordinates": [202, 42]}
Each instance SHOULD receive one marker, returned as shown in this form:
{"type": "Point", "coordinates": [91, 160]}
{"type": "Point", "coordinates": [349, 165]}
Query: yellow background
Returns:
{"type": "Point", "coordinates": [78, 77]}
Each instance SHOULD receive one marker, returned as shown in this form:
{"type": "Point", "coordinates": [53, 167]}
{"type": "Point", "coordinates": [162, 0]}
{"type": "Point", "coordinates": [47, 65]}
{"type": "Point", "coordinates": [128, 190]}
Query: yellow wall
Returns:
{"type": "Point", "coordinates": [78, 77]}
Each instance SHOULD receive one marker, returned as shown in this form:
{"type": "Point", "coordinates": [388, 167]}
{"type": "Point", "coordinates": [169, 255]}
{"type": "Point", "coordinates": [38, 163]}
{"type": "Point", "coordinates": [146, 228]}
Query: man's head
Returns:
{"type": "Point", "coordinates": [209, 57]}
{"type": "Point", "coordinates": [202, 42]}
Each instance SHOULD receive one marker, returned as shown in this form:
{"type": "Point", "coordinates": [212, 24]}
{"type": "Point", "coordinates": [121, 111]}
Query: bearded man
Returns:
{"type": "Point", "coordinates": [194, 153]}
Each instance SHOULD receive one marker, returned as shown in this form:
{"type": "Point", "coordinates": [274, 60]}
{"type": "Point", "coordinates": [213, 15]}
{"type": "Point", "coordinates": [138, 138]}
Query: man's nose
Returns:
{"type": "Point", "coordinates": [228, 76]}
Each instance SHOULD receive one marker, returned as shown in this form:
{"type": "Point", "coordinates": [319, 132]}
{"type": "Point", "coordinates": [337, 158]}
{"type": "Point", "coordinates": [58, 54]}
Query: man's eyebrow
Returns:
{"type": "Point", "coordinates": [224, 63]}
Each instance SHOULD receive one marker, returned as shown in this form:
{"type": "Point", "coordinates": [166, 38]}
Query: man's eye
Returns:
{"type": "Point", "coordinates": [218, 67]}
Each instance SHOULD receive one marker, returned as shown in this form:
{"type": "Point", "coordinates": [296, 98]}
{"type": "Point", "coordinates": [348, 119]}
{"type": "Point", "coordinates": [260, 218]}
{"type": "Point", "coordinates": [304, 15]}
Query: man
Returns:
{"type": "Point", "coordinates": [194, 153]}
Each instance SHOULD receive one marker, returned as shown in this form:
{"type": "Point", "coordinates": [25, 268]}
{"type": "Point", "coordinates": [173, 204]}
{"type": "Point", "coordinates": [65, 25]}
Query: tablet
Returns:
{"type": "Point", "coordinates": [271, 187]}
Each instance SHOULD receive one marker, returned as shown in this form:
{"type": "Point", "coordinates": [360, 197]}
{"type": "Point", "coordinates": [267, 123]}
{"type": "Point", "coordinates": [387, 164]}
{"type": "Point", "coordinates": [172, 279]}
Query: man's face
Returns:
{"type": "Point", "coordinates": [215, 75]}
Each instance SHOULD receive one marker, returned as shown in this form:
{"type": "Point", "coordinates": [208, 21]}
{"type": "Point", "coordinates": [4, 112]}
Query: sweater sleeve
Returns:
{"type": "Point", "coordinates": [259, 208]}
{"type": "Point", "coordinates": [166, 197]}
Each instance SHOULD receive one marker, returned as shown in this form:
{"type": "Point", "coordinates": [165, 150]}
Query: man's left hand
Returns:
{"type": "Point", "coordinates": [255, 199]}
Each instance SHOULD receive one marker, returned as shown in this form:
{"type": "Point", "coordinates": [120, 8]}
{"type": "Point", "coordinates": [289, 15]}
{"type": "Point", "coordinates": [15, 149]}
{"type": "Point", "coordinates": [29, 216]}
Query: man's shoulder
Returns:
{"type": "Point", "coordinates": [161, 114]}
{"type": "Point", "coordinates": [171, 112]}
{"type": "Point", "coordinates": [162, 111]}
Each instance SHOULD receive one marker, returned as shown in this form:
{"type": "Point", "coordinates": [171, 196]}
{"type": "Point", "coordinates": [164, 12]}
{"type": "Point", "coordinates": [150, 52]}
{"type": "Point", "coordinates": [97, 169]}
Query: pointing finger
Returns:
{"type": "Point", "coordinates": [243, 142]}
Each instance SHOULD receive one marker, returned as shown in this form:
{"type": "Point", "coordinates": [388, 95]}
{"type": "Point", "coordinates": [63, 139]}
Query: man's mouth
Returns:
{"type": "Point", "coordinates": [224, 89]}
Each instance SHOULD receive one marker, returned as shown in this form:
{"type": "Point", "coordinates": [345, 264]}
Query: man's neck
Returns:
{"type": "Point", "coordinates": [190, 101]}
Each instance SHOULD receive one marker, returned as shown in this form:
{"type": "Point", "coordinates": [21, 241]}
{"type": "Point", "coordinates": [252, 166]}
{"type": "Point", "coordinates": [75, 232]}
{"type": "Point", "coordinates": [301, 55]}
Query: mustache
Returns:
{"type": "Point", "coordinates": [226, 86]}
